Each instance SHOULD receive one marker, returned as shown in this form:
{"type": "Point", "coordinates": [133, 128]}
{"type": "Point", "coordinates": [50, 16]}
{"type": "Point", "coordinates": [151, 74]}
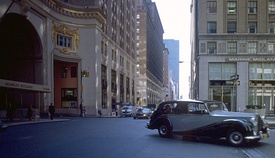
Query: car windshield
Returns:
{"type": "Point", "coordinates": [212, 106]}
{"type": "Point", "coordinates": [146, 110]}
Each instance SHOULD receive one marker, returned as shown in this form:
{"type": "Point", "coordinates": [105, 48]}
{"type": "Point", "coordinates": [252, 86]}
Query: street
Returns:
{"type": "Point", "coordinates": [108, 138]}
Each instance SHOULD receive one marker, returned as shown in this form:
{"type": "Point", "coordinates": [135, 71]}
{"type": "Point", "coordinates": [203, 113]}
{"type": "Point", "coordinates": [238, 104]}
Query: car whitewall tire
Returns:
{"type": "Point", "coordinates": [235, 138]}
{"type": "Point", "coordinates": [164, 130]}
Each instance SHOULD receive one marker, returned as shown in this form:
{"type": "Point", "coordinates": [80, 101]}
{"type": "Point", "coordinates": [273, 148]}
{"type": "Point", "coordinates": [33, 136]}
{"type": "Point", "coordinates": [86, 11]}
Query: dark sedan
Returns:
{"type": "Point", "coordinates": [142, 113]}
{"type": "Point", "coordinates": [208, 119]}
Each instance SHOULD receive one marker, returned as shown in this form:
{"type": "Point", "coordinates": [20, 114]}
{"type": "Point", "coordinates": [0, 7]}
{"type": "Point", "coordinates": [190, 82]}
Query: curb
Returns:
{"type": "Point", "coordinates": [34, 122]}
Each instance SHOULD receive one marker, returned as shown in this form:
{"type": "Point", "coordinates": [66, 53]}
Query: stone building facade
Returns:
{"type": "Point", "coordinates": [233, 52]}
{"type": "Point", "coordinates": [68, 52]}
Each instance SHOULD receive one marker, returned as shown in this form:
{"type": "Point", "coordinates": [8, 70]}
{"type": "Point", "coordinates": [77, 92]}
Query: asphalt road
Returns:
{"type": "Point", "coordinates": [104, 138]}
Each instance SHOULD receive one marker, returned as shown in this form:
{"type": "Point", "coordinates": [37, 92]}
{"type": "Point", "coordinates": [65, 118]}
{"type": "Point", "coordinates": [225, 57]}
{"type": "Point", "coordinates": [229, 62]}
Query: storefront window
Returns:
{"type": "Point", "coordinates": [263, 96]}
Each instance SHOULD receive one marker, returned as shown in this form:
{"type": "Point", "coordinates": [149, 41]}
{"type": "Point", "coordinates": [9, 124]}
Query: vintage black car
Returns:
{"type": "Point", "coordinates": [207, 119]}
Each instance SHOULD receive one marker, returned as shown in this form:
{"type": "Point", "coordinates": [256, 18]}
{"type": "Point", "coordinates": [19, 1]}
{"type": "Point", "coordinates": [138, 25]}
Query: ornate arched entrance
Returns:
{"type": "Point", "coordinates": [21, 60]}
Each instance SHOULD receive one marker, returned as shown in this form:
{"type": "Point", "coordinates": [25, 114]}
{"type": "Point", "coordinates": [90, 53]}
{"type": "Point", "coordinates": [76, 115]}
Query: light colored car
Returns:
{"type": "Point", "coordinates": [208, 119]}
{"type": "Point", "coordinates": [127, 111]}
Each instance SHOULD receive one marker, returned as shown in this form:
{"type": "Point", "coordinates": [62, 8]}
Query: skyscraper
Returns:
{"type": "Point", "coordinates": [149, 53]}
{"type": "Point", "coordinates": [173, 61]}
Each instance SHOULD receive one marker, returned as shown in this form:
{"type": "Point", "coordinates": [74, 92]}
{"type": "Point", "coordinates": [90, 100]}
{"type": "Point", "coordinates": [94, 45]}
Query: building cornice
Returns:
{"type": "Point", "coordinates": [237, 36]}
{"type": "Point", "coordinates": [81, 12]}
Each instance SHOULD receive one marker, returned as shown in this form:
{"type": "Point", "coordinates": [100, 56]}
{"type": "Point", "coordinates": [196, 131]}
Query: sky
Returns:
{"type": "Point", "coordinates": [175, 17]}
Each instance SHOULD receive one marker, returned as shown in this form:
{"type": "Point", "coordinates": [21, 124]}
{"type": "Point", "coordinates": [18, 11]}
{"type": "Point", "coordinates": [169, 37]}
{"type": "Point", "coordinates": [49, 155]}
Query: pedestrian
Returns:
{"type": "Point", "coordinates": [81, 109]}
{"type": "Point", "coordinates": [9, 113]}
{"type": "Point", "coordinates": [84, 111]}
{"type": "Point", "coordinates": [29, 112]}
{"type": "Point", "coordinates": [99, 112]}
{"type": "Point", "coordinates": [51, 111]}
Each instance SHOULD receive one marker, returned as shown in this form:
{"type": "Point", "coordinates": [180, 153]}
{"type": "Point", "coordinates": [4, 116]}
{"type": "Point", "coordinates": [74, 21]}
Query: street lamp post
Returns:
{"type": "Point", "coordinates": [235, 79]}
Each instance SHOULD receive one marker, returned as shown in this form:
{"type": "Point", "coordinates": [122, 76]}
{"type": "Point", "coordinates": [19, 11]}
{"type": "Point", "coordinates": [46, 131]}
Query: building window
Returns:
{"type": "Point", "coordinates": [272, 27]}
{"type": "Point", "coordinates": [212, 27]}
{"type": "Point", "coordinates": [73, 72]}
{"type": "Point", "coordinates": [232, 47]}
{"type": "Point", "coordinates": [121, 61]}
{"type": "Point", "coordinates": [211, 47]}
{"type": "Point", "coordinates": [104, 86]}
{"type": "Point", "coordinates": [113, 55]}
{"type": "Point", "coordinates": [232, 7]}
{"type": "Point", "coordinates": [271, 48]}
{"type": "Point", "coordinates": [63, 41]}
{"type": "Point", "coordinates": [121, 87]}
{"type": "Point", "coordinates": [252, 7]}
{"type": "Point", "coordinates": [68, 97]}
{"type": "Point", "coordinates": [63, 72]}
{"type": "Point", "coordinates": [221, 71]}
{"type": "Point", "coordinates": [212, 7]}
{"type": "Point", "coordinates": [252, 27]}
{"type": "Point", "coordinates": [231, 27]}
{"type": "Point", "coordinates": [271, 6]}
{"type": "Point", "coordinates": [252, 47]}
{"type": "Point", "coordinates": [102, 47]}
{"type": "Point", "coordinates": [261, 71]}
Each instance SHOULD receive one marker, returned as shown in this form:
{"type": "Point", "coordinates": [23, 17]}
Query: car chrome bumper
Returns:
{"type": "Point", "coordinates": [260, 136]}
{"type": "Point", "coordinates": [148, 126]}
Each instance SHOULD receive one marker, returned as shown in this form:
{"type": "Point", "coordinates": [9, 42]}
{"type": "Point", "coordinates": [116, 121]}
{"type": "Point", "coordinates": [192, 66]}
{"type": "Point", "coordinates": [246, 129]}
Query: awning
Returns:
{"type": "Point", "coordinates": [24, 86]}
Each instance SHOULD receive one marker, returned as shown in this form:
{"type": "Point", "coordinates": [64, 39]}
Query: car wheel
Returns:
{"type": "Point", "coordinates": [164, 130]}
{"type": "Point", "coordinates": [235, 138]}
{"type": "Point", "coordinates": [134, 117]}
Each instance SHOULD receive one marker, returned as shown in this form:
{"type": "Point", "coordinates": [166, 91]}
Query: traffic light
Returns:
{"type": "Point", "coordinates": [85, 73]}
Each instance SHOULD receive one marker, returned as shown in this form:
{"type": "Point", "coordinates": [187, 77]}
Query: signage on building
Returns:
{"type": "Point", "coordinates": [250, 59]}
{"type": "Point", "coordinates": [237, 83]}
{"type": "Point", "coordinates": [25, 86]}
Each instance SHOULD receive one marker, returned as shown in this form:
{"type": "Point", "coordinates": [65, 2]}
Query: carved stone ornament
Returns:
{"type": "Point", "coordinates": [66, 31]}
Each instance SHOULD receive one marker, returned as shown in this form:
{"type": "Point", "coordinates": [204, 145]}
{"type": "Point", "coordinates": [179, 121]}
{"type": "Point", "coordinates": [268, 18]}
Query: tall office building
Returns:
{"type": "Point", "coordinates": [233, 51]}
{"type": "Point", "coordinates": [166, 74]}
{"type": "Point", "coordinates": [173, 62]}
{"type": "Point", "coordinates": [68, 52]}
{"type": "Point", "coordinates": [149, 53]}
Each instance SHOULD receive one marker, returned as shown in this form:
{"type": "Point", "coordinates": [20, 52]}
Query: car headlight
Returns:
{"type": "Point", "coordinates": [254, 121]}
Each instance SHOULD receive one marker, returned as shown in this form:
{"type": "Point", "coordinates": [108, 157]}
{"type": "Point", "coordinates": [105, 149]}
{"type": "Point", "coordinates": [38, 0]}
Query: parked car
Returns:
{"type": "Point", "coordinates": [208, 119]}
{"type": "Point", "coordinates": [142, 113]}
{"type": "Point", "coordinates": [127, 111]}
{"type": "Point", "coordinates": [2, 127]}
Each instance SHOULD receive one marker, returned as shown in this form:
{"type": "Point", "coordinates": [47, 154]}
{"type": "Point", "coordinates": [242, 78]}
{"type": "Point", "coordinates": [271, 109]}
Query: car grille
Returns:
{"type": "Point", "coordinates": [259, 125]}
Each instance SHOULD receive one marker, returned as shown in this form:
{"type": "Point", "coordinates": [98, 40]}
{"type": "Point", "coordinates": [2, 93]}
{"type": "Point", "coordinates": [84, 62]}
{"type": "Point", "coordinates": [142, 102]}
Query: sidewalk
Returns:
{"type": "Point", "coordinates": [41, 120]}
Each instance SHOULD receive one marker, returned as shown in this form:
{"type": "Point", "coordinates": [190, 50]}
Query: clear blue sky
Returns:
{"type": "Point", "coordinates": [175, 17]}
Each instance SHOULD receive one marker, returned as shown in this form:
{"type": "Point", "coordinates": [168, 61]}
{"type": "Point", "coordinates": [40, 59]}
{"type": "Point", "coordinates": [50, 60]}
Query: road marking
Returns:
{"type": "Point", "coordinates": [253, 153]}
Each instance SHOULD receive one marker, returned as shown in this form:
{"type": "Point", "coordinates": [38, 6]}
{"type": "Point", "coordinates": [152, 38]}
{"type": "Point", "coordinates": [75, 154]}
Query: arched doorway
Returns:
{"type": "Point", "coordinates": [21, 59]}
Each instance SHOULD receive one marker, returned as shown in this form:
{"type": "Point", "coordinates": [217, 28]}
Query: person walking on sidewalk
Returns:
{"type": "Point", "coordinates": [81, 109]}
{"type": "Point", "coordinates": [51, 111]}
{"type": "Point", "coordinates": [99, 112]}
{"type": "Point", "coordinates": [30, 112]}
